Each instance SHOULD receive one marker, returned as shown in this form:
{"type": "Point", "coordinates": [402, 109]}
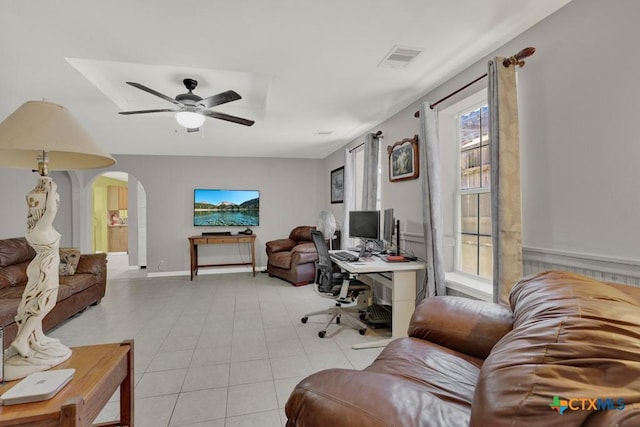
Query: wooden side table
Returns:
{"type": "Point", "coordinates": [100, 370]}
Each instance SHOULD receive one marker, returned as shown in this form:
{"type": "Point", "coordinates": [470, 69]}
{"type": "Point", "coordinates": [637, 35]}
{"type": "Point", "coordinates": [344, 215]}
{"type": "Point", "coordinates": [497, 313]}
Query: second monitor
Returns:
{"type": "Point", "coordinates": [364, 225]}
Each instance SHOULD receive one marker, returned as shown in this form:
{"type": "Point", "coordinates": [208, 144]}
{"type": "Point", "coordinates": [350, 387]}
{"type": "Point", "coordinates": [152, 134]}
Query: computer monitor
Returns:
{"type": "Point", "coordinates": [364, 225]}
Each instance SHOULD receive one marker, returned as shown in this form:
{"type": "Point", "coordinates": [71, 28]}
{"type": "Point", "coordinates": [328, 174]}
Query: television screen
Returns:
{"type": "Point", "coordinates": [213, 207]}
{"type": "Point", "coordinates": [364, 224]}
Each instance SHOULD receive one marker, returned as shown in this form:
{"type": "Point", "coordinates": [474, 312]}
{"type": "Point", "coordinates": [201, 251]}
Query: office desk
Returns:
{"type": "Point", "coordinates": [403, 285]}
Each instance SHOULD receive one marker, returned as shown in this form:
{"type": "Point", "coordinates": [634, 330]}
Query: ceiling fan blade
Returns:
{"type": "Point", "coordinates": [229, 118]}
{"type": "Point", "coordinates": [164, 110]}
{"type": "Point", "coordinates": [154, 92]}
{"type": "Point", "coordinates": [221, 98]}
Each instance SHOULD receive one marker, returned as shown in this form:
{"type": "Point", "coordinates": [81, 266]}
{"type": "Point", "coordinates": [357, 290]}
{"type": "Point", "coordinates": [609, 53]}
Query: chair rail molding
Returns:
{"type": "Point", "coordinates": [600, 267]}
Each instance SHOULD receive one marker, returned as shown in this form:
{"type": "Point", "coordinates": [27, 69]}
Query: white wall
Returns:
{"type": "Point", "coordinates": [578, 116]}
{"type": "Point", "coordinates": [289, 196]}
{"type": "Point", "coordinates": [14, 186]}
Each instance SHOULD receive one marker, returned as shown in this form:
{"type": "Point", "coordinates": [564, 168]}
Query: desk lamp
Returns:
{"type": "Point", "coordinates": [42, 136]}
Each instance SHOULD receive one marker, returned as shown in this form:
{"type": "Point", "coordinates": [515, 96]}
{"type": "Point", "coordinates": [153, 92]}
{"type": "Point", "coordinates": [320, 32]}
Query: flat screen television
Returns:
{"type": "Point", "coordinates": [217, 207]}
{"type": "Point", "coordinates": [364, 224]}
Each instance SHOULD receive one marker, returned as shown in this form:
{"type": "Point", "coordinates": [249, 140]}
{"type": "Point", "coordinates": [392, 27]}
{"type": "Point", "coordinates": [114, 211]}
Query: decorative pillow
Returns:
{"type": "Point", "coordinates": [69, 258]}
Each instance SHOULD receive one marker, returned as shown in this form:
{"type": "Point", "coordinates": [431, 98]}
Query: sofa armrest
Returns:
{"type": "Point", "coordinates": [470, 326]}
{"type": "Point", "coordinates": [279, 245]}
{"type": "Point", "coordinates": [304, 253]}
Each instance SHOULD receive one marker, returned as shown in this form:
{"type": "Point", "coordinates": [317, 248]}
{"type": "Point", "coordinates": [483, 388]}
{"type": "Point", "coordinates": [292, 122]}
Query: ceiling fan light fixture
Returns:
{"type": "Point", "coordinates": [189, 119]}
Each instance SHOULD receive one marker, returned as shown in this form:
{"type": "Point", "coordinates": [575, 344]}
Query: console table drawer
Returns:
{"type": "Point", "coordinates": [226, 240]}
{"type": "Point", "coordinates": [245, 239]}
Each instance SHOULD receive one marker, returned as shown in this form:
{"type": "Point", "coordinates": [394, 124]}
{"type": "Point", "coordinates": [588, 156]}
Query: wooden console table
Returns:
{"type": "Point", "coordinates": [194, 241]}
{"type": "Point", "coordinates": [100, 370]}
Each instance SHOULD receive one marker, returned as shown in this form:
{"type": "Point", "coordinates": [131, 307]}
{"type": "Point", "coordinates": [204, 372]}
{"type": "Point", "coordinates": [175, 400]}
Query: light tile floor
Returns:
{"type": "Point", "coordinates": [223, 350]}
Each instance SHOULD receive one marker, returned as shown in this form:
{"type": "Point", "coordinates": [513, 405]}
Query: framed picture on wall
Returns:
{"type": "Point", "coordinates": [403, 160]}
{"type": "Point", "coordinates": [337, 185]}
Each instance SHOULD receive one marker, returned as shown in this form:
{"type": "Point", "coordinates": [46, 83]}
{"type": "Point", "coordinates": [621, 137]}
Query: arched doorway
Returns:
{"type": "Point", "coordinates": [118, 220]}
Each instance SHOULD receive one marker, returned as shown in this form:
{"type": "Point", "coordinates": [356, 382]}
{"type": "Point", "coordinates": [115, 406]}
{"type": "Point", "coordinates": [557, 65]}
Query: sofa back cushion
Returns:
{"type": "Point", "coordinates": [302, 233]}
{"type": "Point", "coordinates": [15, 251]}
{"type": "Point", "coordinates": [461, 324]}
{"type": "Point", "coordinates": [573, 338]}
{"type": "Point", "coordinates": [14, 275]}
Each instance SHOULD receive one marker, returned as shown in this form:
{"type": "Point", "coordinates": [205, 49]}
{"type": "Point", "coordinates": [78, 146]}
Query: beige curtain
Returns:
{"type": "Point", "coordinates": [506, 208]}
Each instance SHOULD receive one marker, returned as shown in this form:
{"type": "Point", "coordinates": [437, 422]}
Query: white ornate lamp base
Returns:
{"type": "Point", "coordinates": [44, 358]}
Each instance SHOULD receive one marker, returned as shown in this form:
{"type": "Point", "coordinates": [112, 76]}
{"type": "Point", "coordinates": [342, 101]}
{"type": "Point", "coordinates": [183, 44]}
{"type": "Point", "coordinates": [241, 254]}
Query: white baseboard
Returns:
{"type": "Point", "coordinates": [204, 271]}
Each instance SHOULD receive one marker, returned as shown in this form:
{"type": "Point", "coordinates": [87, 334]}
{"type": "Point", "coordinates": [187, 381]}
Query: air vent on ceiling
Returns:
{"type": "Point", "coordinates": [400, 57]}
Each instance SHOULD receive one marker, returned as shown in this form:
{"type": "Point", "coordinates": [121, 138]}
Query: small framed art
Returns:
{"type": "Point", "coordinates": [403, 160]}
{"type": "Point", "coordinates": [337, 185]}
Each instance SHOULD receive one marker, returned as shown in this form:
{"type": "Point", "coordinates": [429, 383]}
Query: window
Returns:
{"type": "Point", "coordinates": [474, 254]}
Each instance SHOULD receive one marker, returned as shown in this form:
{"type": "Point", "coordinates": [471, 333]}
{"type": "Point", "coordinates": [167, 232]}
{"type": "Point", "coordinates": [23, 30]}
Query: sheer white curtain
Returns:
{"type": "Point", "coordinates": [363, 161]}
{"type": "Point", "coordinates": [370, 187]}
{"type": "Point", "coordinates": [349, 199]}
{"type": "Point", "coordinates": [506, 207]}
{"type": "Point", "coordinates": [429, 152]}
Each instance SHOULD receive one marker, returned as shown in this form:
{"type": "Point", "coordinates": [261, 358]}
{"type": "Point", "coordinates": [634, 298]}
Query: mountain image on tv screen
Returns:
{"type": "Point", "coordinates": [226, 207]}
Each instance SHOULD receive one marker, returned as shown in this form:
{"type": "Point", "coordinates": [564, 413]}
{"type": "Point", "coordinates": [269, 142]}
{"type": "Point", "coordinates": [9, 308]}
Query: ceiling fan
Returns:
{"type": "Point", "coordinates": [191, 109]}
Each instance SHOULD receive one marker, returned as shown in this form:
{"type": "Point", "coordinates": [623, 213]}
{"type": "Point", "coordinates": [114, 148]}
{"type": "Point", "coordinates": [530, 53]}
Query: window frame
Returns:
{"type": "Point", "coordinates": [464, 107]}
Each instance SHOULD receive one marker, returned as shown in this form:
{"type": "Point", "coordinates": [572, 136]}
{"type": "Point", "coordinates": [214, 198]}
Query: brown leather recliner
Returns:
{"type": "Point", "coordinates": [293, 259]}
{"type": "Point", "coordinates": [565, 353]}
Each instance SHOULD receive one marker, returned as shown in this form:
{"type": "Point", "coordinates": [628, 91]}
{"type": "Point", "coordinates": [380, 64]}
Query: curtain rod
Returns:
{"type": "Point", "coordinates": [375, 135]}
{"type": "Point", "coordinates": [516, 59]}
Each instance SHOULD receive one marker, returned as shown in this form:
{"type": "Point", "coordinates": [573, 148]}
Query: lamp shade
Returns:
{"type": "Point", "coordinates": [39, 126]}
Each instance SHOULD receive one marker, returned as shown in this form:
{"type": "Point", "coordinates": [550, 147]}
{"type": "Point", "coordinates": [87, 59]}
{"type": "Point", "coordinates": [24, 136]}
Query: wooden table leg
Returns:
{"type": "Point", "coordinates": [126, 390]}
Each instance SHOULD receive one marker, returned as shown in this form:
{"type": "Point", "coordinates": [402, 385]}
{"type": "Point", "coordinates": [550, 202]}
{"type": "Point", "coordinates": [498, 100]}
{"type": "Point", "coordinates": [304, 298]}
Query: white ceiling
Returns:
{"type": "Point", "coordinates": [303, 68]}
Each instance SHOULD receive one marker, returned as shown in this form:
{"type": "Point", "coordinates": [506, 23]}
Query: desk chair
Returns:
{"type": "Point", "coordinates": [329, 283]}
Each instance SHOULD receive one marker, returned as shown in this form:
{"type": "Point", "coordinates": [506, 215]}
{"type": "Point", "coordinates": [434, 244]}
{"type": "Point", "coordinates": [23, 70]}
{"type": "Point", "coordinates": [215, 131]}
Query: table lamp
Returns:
{"type": "Point", "coordinates": [42, 136]}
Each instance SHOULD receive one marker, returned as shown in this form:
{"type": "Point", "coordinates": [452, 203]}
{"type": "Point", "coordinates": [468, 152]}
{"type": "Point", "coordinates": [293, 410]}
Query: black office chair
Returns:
{"type": "Point", "coordinates": [329, 283]}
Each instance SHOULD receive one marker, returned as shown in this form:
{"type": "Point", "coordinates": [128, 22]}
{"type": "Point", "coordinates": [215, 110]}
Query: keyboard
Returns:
{"type": "Point", "coordinates": [345, 256]}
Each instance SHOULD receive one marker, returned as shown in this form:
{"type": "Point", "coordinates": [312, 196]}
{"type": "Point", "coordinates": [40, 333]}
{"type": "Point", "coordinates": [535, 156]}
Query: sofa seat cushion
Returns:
{"type": "Point", "coordinates": [70, 285]}
{"type": "Point", "coordinates": [573, 338]}
{"type": "Point", "coordinates": [281, 260]}
{"type": "Point", "coordinates": [411, 383]}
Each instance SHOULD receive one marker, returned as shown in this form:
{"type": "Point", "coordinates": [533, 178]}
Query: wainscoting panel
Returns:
{"type": "Point", "coordinates": [606, 269]}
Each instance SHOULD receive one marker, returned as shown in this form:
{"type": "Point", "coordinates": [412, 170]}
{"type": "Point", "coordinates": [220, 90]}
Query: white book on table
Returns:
{"type": "Point", "coordinates": [38, 386]}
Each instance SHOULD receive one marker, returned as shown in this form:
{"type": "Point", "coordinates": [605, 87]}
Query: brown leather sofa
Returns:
{"type": "Point", "coordinates": [86, 287]}
{"type": "Point", "coordinates": [293, 259]}
{"type": "Point", "coordinates": [567, 353]}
